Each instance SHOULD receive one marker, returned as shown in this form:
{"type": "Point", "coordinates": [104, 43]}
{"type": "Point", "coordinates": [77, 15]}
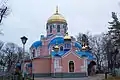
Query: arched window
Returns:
{"type": "Point", "coordinates": [53, 25]}
{"type": "Point", "coordinates": [47, 27]}
{"type": "Point", "coordinates": [68, 46]}
{"type": "Point", "coordinates": [71, 66]}
{"type": "Point", "coordinates": [63, 25]}
{"type": "Point", "coordinates": [61, 48]}
{"type": "Point", "coordinates": [58, 28]}
{"type": "Point", "coordinates": [33, 52]}
{"type": "Point", "coordinates": [50, 28]}
{"type": "Point", "coordinates": [65, 28]}
{"type": "Point", "coordinates": [53, 48]}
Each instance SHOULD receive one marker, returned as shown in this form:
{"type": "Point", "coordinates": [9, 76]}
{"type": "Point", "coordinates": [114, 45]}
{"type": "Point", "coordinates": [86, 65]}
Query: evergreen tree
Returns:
{"type": "Point", "coordinates": [114, 32]}
{"type": "Point", "coordinates": [114, 29]}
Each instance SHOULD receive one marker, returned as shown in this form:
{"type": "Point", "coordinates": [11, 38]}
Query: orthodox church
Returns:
{"type": "Point", "coordinates": [59, 55]}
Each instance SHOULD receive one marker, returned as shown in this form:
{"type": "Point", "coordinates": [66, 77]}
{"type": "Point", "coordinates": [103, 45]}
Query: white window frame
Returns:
{"type": "Point", "coordinates": [56, 63]}
{"type": "Point", "coordinates": [38, 51]}
{"type": "Point", "coordinates": [74, 66]}
{"type": "Point", "coordinates": [62, 46]}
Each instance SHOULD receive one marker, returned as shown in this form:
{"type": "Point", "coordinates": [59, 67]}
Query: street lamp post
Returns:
{"type": "Point", "coordinates": [23, 39]}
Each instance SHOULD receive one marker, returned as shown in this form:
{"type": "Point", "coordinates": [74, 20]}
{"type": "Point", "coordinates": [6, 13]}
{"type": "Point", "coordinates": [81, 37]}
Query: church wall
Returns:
{"type": "Point", "coordinates": [41, 51]}
{"type": "Point", "coordinates": [62, 31]}
{"type": "Point", "coordinates": [44, 51]}
{"type": "Point", "coordinates": [78, 62]}
{"type": "Point", "coordinates": [38, 51]}
{"type": "Point", "coordinates": [54, 31]}
{"type": "Point", "coordinates": [42, 65]}
{"type": "Point", "coordinates": [48, 32]}
{"type": "Point", "coordinates": [54, 28]}
{"type": "Point", "coordinates": [74, 48]}
{"type": "Point", "coordinates": [52, 66]}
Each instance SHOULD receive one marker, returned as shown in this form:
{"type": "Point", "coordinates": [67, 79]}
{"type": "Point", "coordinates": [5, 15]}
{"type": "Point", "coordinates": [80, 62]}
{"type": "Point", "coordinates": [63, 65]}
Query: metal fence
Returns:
{"type": "Point", "coordinates": [14, 77]}
{"type": "Point", "coordinates": [10, 77]}
{"type": "Point", "coordinates": [117, 71]}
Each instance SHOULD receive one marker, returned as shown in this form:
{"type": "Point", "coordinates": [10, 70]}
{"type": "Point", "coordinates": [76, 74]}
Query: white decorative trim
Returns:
{"type": "Point", "coordinates": [36, 53]}
{"type": "Point", "coordinates": [70, 52]}
{"type": "Point", "coordinates": [30, 50]}
{"type": "Point", "coordinates": [84, 66]}
{"type": "Point", "coordinates": [52, 39]}
{"type": "Point", "coordinates": [71, 46]}
{"type": "Point", "coordinates": [57, 67]}
{"type": "Point", "coordinates": [49, 51]}
{"type": "Point", "coordinates": [54, 36]}
{"type": "Point", "coordinates": [76, 55]}
{"type": "Point", "coordinates": [42, 42]}
{"type": "Point", "coordinates": [66, 54]}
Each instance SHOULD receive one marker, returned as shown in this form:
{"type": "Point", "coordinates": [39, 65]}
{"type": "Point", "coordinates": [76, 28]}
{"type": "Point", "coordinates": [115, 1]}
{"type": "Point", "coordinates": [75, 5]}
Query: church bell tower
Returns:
{"type": "Point", "coordinates": [56, 24]}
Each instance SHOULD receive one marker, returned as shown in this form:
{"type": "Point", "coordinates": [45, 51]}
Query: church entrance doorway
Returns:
{"type": "Point", "coordinates": [91, 68]}
{"type": "Point", "coordinates": [71, 66]}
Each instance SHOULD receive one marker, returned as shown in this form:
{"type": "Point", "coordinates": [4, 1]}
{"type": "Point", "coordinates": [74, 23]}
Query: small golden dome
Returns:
{"type": "Point", "coordinates": [56, 47]}
{"type": "Point", "coordinates": [56, 17]}
{"type": "Point", "coordinates": [83, 48]}
{"type": "Point", "coordinates": [86, 46]}
{"type": "Point", "coordinates": [66, 36]}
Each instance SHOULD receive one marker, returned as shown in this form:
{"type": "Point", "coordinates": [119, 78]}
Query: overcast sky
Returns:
{"type": "Point", "coordinates": [29, 17]}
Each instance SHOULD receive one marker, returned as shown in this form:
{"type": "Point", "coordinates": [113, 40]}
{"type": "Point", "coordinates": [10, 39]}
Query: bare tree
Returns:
{"type": "Point", "coordinates": [11, 55]}
{"type": "Point", "coordinates": [97, 45]}
{"type": "Point", "coordinates": [79, 37]}
{"type": "Point", "coordinates": [4, 11]}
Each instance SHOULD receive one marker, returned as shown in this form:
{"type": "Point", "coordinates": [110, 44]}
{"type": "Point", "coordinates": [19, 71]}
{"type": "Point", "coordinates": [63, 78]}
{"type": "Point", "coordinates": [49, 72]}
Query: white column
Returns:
{"type": "Point", "coordinates": [85, 65]}
{"type": "Point", "coordinates": [54, 66]}
{"type": "Point", "coordinates": [57, 67]}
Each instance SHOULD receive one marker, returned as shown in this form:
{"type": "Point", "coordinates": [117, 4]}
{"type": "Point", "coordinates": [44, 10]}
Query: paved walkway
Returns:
{"type": "Point", "coordinates": [96, 77]}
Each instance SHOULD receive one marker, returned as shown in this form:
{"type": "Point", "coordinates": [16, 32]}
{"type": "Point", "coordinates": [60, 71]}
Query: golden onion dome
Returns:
{"type": "Point", "coordinates": [66, 36]}
{"type": "Point", "coordinates": [56, 17]}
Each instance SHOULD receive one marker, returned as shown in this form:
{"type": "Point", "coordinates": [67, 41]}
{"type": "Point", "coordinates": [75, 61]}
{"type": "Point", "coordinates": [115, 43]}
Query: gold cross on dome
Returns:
{"type": "Point", "coordinates": [56, 9]}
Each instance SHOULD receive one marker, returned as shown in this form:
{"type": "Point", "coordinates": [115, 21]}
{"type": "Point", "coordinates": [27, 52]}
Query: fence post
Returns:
{"type": "Point", "coordinates": [105, 75]}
